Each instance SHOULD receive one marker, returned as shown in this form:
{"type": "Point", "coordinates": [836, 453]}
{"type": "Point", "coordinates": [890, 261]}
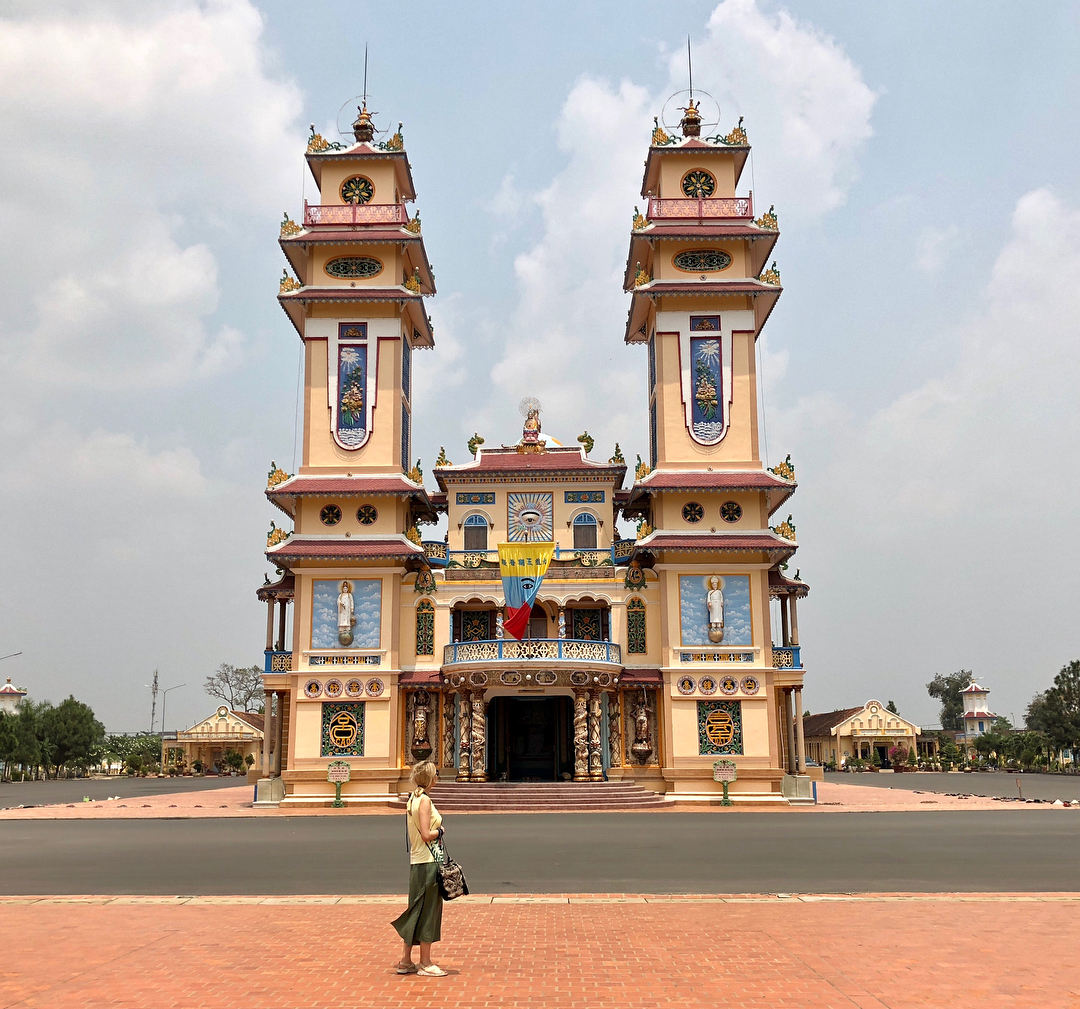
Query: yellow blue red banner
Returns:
{"type": "Point", "coordinates": [523, 566]}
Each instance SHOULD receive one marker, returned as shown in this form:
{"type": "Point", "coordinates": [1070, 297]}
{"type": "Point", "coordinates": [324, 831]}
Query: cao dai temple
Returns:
{"type": "Point", "coordinates": [643, 660]}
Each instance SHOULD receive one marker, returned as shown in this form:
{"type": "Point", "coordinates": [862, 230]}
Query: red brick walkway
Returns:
{"type": "Point", "coordinates": [895, 951]}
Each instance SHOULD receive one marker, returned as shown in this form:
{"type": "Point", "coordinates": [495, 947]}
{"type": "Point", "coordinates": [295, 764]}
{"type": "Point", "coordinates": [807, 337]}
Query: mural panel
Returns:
{"type": "Point", "coordinates": [734, 604]}
{"type": "Point", "coordinates": [346, 613]}
{"type": "Point", "coordinates": [707, 413]}
{"type": "Point", "coordinates": [352, 394]}
{"type": "Point", "coordinates": [530, 517]}
{"type": "Point", "coordinates": [719, 727]}
{"type": "Point", "coordinates": [343, 729]}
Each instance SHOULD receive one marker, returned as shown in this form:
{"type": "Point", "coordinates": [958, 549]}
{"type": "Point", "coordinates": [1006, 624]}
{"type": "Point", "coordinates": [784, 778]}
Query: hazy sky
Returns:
{"type": "Point", "coordinates": [921, 367]}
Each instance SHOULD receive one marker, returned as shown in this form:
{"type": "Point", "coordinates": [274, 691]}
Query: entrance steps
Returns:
{"type": "Point", "coordinates": [543, 797]}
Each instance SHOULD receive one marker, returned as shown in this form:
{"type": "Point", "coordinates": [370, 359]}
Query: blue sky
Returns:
{"type": "Point", "coordinates": [920, 367]}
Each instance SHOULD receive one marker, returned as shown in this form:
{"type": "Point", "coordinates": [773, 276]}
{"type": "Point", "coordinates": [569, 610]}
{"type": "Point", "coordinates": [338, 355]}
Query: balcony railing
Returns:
{"type": "Point", "coordinates": [618, 553]}
{"type": "Point", "coordinates": [786, 657]}
{"type": "Point", "coordinates": [734, 208]}
{"type": "Point", "coordinates": [355, 213]}
{"type": "Point", "coordinates": [277, 662]}
{"type": "Point", "coordinates": [544, 649]}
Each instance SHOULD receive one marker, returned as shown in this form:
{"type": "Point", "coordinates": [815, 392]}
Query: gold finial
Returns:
{"type": "Point", "coordinates": [618, 456]}
{"type": "Point", "coordinates": [644, 529]}
{"type": "Point", "coordinates": [363, 127]}
{"type": "Point", "coordinates": [641, 277]}
{"type": "Point", "coordinates": [443, 460]}
{"type": "Point", "coordinates": [413, 224]}
{"type": "Point", "coordinates": [287, 283]}
{"type": "Point", "coordinates": [690, 123]}
{"type": "Point", "coordinates": [289, 227]}
{"type": "Point", "coordinates": [412, 534]}
{"type": "Point", "coordinates": [416, 475]}
{"type": "Point", "coordinates": [396, 142]}
{"type": "Point", "coordinates": [639, 220]}
{"type": "Point", "coordinates": [659, 136]}
{"type": "Point", "coordinates": [413, 283]}
{"type": "Point", "coordinates": [587, 440]}
{"type": "Point", "coordinates": [474, 443]}
{"type": "Point", "coordinates": [642, 470]}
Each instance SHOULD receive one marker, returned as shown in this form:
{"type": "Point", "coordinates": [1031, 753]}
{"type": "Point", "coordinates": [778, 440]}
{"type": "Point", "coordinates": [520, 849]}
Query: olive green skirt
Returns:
{"type": "Point", "coordinates": [422, 919]}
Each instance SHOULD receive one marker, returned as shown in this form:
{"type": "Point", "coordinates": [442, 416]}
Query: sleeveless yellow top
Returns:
{"type": "Point", "coordinates": [419, 852]}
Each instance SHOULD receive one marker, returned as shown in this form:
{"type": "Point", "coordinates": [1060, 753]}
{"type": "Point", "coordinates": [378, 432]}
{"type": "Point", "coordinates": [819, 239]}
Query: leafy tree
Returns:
{"type": "Point", "coordinates": [233, 760]}
{"type": "Point", "coordinates": [19, 744]}
{"type": "Point", "coordinates": [240, 687]}
{"type": "Point", "coordinates": [1036, 717]}
{"type": "Point", "coordinates": [891, 706]}
{"type": "Point", "coordinates": [1002, 725]}
{"type": "Point", "coordinates": [946, 687]}
{"type": "Point", "coordinates": [70, 732]}
{"type": "Point", "coordinates": [1062, 708]}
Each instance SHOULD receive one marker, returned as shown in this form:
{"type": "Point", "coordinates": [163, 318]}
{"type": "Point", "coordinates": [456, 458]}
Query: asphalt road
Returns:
{"type": "Point", "coordinates": [1034, 786]}
{"type": "Point", "coordinates": [44, 793]}
{"type": "Point", "coordinates": [557, 852]}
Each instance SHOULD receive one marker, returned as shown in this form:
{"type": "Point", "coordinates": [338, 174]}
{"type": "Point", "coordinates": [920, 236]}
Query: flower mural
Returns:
{"type": "Point", "coordinates": [352, 415]}
{"type": "Point", "coordinates": [708, 419]}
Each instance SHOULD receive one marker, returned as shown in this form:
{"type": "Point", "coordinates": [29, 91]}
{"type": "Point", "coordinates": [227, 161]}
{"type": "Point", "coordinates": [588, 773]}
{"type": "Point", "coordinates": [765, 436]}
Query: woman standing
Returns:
{"type": "Point", "coordinates": [421, 923]}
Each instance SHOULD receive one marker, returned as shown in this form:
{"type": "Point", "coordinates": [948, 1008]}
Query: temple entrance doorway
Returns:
{"type": "Point", "coordinates": [533, 738]}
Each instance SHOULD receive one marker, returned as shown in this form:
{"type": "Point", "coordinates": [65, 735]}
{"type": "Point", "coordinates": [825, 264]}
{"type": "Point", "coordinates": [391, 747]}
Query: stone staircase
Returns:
{"type": "Point", "coordinates": [543, 797]}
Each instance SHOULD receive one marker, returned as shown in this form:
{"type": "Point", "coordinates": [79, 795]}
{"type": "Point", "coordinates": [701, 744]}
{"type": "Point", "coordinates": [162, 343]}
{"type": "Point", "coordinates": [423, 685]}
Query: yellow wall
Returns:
{"type": "Point", "coordinates": [674, 167]}
{"type": "Point", "coordinates": [380, 173]}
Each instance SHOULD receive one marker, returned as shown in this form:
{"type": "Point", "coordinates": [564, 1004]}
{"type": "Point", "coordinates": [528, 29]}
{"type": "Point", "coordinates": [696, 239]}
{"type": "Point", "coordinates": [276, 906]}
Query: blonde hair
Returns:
{"type": "Point", "coordinates": [423, 775]}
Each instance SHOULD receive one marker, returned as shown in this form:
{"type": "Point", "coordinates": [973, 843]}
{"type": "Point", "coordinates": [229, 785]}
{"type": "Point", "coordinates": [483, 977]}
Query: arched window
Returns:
{"type": "Point", "coordinates": [425, 627]}
{"type": "Point", "coordinates": [635, 626]}
{"type": "Point", "coordinates": [585, 532]}
{"type": "Point", "coordinates": [476, 533]}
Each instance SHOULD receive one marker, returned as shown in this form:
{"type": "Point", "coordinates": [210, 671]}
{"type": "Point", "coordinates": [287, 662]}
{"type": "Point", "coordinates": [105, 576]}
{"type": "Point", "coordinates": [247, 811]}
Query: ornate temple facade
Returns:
{"type": "Point", "coordinates": [649, 657]}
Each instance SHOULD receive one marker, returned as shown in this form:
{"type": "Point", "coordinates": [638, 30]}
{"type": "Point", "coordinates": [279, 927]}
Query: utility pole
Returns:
{"type": "Point", "coordinates": [153, 703]}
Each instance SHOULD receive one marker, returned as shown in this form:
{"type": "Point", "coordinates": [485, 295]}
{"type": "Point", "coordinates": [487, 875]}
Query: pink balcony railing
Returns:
{"type": "Point", "coordinates": [739, 207]}
{"type": "Point", "coordinates": [355, 213]}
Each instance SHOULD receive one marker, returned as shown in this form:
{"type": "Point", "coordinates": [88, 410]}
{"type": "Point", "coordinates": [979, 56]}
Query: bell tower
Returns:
{"type": "Point", "coordinates": [361, 274]}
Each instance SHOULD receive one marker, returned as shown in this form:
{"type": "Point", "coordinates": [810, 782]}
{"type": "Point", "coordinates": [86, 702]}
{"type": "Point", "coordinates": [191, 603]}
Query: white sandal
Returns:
{"type": "Point", "coordinates": [431, 970]}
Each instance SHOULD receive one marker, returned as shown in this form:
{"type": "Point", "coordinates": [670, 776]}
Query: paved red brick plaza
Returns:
{"type": "Point", "coordinates": [869, 951]}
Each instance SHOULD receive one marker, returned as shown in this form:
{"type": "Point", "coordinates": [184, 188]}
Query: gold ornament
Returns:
{"type": "Point", "coordinates": [659, 137]}
{"type": "Point", "coordinates": [737, 137]}
{"type": "Point", "coordinates": [275, 476]}
{"type": "Point", "coordinates": [287, 283]}
{"type": "Point", "coordinates": [412, 534]}
{"type": "Point", "coordinates": [785, 470]}
{"type": "Point", "coordinates": [416, 475]}
{"type": "Point", "coordinates": [639, 220]}
{"type": "Point", "coordinates": [413, 283]}
{"type": "Point", "coordinates": [642, 470]}
{"type": "Point", "coordinates": [767, 221]}
{"type": "Point", "coordinates": [771, 275]}
{"type": "Point", "coordinates": [442, 460]}
{"type": "Point", "coordinates": [641, 277]}
{"type": "Point", "coordinates": [289, 227]}
{"type": "Point", "coordinates": [644, 529]}
{"type": "Point", "coordinates": [786, 529]}
{"type": "Point", "coordinates": [587, 440]}
{"type": "Point", "coordinates": [474, 443]}
{"type": "Point", "coordinates": [413, 224]}
{"type": "Point", "coordinates": [618, 456]}
{"type": "Point", "coordinates": [276, 536]}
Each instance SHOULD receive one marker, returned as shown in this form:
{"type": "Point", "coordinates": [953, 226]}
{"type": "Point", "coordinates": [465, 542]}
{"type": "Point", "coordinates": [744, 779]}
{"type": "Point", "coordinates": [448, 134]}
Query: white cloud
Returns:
{"type": "Point", "coordinates": [936, 246]}
{"type": "Point", "coordinates": [806, 105]}
{"type": "Point", "coordinates": [934, 524]}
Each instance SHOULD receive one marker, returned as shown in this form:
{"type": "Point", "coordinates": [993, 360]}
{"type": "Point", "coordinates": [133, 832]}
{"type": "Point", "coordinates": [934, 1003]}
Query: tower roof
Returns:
{"type": "Point", "coordinates": [650, 183]}
{"type": "Point", "coordinates": [974, 688]}
{"type": "Point", "coordinates": [360, 153]}
{"type": "Point", "coordinates": [507, 464]}
{"type": "Point", "coordinates": [10, 690]}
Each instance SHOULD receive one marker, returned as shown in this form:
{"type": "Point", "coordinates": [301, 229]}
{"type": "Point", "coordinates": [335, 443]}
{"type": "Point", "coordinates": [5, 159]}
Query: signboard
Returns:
{"type": "Point", "coordinates": [338, 771]}
{"type": "Point", "coordinates": [724, 770]}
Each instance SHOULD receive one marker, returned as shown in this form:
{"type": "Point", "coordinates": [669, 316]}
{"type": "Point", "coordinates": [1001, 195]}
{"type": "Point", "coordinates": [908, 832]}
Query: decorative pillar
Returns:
{"type": "Point", "coordinates": [784, 621]}
{"type": "Point", "coordinates": [596, 760]}
{"type": "Point", "coordinates": [785, 720]}
{"type": "Point", "coordinates": [794, 623]}
{"type": "Point", "coordinates": [614, 729]}
{"type": "Point", "coordinates": [270, 624]}
{"type": "Point", "coordinates": [279, 732]}
{"type": "Point", "coordinates": [562, 623]}
{"type": "Point", "coordinates": [792, 760]}
{"type": "Point", "coordinates": [800, 741]}
{"type": "Point", "coordinates": [448, 729]}
{"type": "Point", "coordinates": [464, 735]}
{"type": "Point", "coordinates": [281, 625]}
{"type": "Point", "coordinates": [479, 738]}
{"type": "Point", "coordinates": [581, 735]}
{"type": "Point", "coordinates": [268, 707]}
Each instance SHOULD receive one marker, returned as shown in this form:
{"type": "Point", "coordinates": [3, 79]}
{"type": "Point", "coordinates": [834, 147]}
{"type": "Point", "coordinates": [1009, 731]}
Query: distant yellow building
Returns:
{"type": "Point", "coordinates": [211, 739]}
{"type": "Point", "coordinates": [647, 658]}
{"type": "Point", "coordinates": [862, 732]}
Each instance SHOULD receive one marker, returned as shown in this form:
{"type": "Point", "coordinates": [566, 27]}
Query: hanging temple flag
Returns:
{"type": "Point", "coordinates": [523, 566]}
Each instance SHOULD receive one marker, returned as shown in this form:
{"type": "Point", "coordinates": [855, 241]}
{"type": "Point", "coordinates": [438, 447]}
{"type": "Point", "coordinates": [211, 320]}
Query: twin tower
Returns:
{"type": "Point", "coordinates": [651, 659]}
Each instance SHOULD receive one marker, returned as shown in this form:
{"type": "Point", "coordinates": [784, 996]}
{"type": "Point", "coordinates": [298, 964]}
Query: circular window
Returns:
{"type": "Point", "coordinates": [357, 190]}
{"type": "Point", "coordinates": [707, 685]}
{"type": "Point", "coordinates": [352, 267]}
{"type": "Point", "coordinates": [330, 515]}
{"type": "Point", "coordinates": [693, 512]}
{"type": "Point", "coordinates": [367, 514]}
{"type": "Point", "coordinates": [729, 685]}
{"type": "Point", "coordinates": [731, 511]}
{"type": "Point", "coordinates": [698, 261]}
{"type": "Point", "coordinates": [697, 184]}
{"type": "Point", "coordinates": [686, 685]}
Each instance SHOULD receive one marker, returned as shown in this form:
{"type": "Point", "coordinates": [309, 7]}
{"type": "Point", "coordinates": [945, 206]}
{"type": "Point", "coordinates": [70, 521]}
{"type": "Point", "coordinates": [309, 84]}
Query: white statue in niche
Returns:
{"type": "Point", "coordinates": [346, 619]}
{"type": "Point", "coordinates": [499, 624]}
{"type": "Point", "coordinates": [714, 599]}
